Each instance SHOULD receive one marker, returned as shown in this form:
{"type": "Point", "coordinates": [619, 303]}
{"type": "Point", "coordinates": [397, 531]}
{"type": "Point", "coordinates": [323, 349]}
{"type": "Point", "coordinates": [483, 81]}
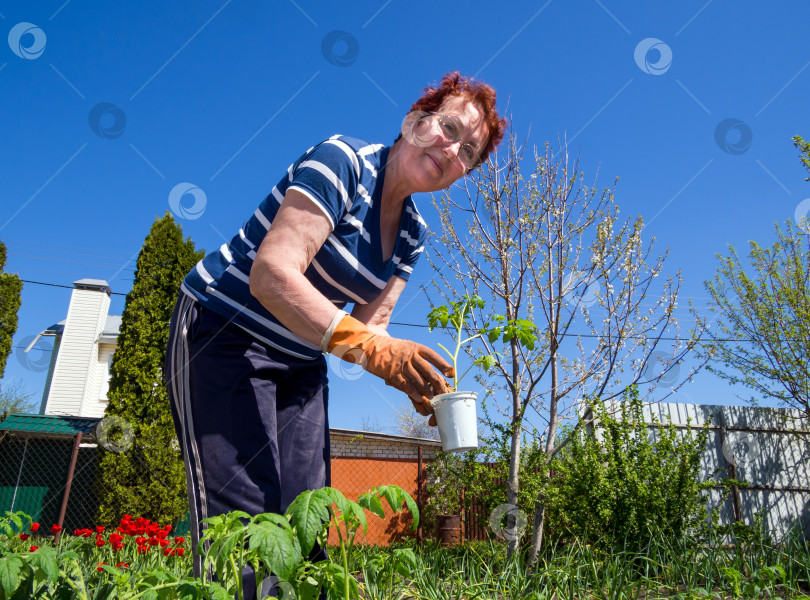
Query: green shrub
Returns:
{"type": "Point", "coordinates": [622, 481]}
{"type": "Point", "coordinates": [448, 474]}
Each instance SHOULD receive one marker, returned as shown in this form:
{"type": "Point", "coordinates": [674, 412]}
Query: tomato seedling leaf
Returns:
{"type": "Point", "coordinates": [308, 513]}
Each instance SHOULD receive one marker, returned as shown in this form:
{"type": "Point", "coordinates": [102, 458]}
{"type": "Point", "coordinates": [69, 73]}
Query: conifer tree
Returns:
{"type": "Point", "coordinates": [10, 300]}
{"type": "Point", "coordinates": [141, 472]}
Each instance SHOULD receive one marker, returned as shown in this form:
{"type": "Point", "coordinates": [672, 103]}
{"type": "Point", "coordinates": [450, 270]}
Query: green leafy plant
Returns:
{"type": "Point", "coordinates": [762, 582]}
{"type": "Point", "coordinates": [455, 318]}
{"type": "Point", "coordinates": [274, 545]}
{"type": "Point", "coordinates": [571, 567]}
{"type": "Point", "coordinates": [618, 481]}
{"type": "Point", "coordinates": [312, 512]}
{"type": "Point", "coordinates": [386, 572]}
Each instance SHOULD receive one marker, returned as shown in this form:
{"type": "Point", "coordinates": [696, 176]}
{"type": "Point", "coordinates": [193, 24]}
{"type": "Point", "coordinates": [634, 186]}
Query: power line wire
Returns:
{"type": "Point", "coordinates": [592, 335]}
{"type": "Point", "coordinates": [421, 325]}
{"type": "Point", "coordinates": [67, 287]}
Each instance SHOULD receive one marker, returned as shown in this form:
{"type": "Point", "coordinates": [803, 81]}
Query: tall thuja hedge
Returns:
{"type": "Point", "coordinates": [10, 298]}
{"type": "Point", "coordinates": [145, 476]}
{"type": "Point", "coordinates": [620, 481]}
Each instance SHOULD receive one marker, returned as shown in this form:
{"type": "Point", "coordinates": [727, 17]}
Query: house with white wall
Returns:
{"type": "Point", "coordinates": [79, 371]}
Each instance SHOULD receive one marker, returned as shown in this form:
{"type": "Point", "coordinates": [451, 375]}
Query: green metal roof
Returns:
{"type": "Point", "coordinates": [48, 424]}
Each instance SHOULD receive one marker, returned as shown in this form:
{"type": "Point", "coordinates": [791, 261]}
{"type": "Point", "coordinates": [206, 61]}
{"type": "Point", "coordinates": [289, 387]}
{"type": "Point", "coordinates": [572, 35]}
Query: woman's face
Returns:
{"type": "Point", "coordinates": [431, 157]}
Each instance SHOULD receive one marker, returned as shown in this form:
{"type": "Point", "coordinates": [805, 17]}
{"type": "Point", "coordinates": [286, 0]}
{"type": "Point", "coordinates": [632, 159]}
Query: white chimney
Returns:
{"type": "Point", "coordinates": [74, 384]}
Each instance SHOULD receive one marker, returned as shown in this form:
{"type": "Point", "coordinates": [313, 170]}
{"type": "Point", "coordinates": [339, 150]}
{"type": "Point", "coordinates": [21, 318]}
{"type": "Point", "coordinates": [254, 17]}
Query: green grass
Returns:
{"type": "Point", "coordinates": [573, 570]}
{"type": "Point", "coordinates": [566, 569]}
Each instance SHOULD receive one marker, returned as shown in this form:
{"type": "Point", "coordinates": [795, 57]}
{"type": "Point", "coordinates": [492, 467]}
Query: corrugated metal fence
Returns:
{"type": "Point", "coordinates": [769, 449]}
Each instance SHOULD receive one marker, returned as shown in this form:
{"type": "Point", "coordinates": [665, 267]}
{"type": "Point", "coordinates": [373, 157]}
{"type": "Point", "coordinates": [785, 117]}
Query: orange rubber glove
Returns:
{"type": "Point", "coordinates": [403, 364]}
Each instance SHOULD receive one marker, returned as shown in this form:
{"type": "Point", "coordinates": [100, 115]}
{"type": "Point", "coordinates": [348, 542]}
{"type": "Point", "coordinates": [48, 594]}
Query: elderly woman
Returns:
{"type": "Point", "coordinates": [245, 363]}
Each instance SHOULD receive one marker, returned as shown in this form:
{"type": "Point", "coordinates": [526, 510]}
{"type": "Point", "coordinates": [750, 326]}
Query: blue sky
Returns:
{"type": "Point", "coordinates": [224, 95]}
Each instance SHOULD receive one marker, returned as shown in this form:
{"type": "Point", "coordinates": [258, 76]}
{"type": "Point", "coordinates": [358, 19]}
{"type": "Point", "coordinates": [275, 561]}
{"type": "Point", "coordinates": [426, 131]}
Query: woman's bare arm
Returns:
{"type": "Point", "coordinates": [277, 276]}
{"type": "Point", "coordinates": [377, 314]}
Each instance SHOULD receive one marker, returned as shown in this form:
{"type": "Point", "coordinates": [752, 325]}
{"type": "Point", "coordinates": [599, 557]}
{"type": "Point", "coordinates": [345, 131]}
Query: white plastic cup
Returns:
{"type": "Point", "coordinates": [455, 416]}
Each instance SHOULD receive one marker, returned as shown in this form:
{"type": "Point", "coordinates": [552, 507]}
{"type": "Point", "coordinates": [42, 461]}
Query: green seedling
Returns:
{"type": "Point", "coordinates": [455, 318]}
{"type": "Point", "coordinates": [313, 512]}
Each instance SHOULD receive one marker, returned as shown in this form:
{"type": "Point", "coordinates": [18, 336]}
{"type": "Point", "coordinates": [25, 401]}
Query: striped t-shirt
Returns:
{"type": "Point", "coordinates": [344, 177]}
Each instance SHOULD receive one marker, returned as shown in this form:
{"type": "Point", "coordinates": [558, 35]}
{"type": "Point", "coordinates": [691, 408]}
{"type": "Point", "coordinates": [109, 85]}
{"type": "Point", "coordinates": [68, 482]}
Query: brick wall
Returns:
{"type": "Point", "coordinates": [346, 443]}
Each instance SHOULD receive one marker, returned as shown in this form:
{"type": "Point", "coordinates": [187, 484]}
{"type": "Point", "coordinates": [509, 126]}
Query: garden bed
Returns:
{"type": "Point", "coordinates": [139, 559]}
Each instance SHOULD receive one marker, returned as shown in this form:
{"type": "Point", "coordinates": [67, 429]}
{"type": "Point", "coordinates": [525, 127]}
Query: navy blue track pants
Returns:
{"type": "Point", "coordinates": [251, 420]}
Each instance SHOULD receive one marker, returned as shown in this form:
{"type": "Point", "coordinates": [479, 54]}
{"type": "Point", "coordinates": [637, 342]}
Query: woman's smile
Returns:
{"type": "Point", "coordinates": [436, 163]}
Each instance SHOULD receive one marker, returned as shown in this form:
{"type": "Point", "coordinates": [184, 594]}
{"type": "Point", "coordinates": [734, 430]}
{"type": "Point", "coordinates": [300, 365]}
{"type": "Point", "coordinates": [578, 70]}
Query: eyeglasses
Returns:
{"type": "Point", "coordinates": [452, 129]}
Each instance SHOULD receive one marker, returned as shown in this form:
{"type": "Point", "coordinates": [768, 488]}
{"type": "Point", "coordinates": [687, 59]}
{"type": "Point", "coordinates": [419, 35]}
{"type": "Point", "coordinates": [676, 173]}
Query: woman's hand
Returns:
{"type": "Point", "coordinates": [403, 364]}
{"type": "Point", "coordinates": [424, 408]}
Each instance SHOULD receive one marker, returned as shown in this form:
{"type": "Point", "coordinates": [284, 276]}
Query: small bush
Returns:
{"type": "Point", "coordinates": [621, 481]}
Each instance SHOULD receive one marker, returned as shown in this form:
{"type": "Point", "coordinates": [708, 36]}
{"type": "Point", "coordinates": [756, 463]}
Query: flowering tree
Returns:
{"type": "Point", "coordinates": [144, 473]}
{"type": "Point", "coordinates": [548, 252]}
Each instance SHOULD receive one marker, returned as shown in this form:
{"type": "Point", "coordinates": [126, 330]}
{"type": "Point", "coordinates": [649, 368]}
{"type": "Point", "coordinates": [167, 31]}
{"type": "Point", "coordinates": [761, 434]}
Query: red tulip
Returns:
{"type": "Point", "coordinates": [180, 551]}
{"type": "Point", "coordinates": [122, 565]}
{"type": "Point", "coordinates": [179, 540]}
{"type": "Point", "coordinates": [34, 527]}
{"type": "Point", "coordinates": [100, 568]}
{"type": "Point", "coordinates": [99, 529]}
{"type": "Point", "coordinates": [153, 541]}
{"type": "Point", "coordinates": [24, 536]}
{"type": "Point", "coordinates": [56, 529]}
{"type": "Point", "coordinates": [100, 542]}
{"type": "Point", "coordinates": [33, 548]}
